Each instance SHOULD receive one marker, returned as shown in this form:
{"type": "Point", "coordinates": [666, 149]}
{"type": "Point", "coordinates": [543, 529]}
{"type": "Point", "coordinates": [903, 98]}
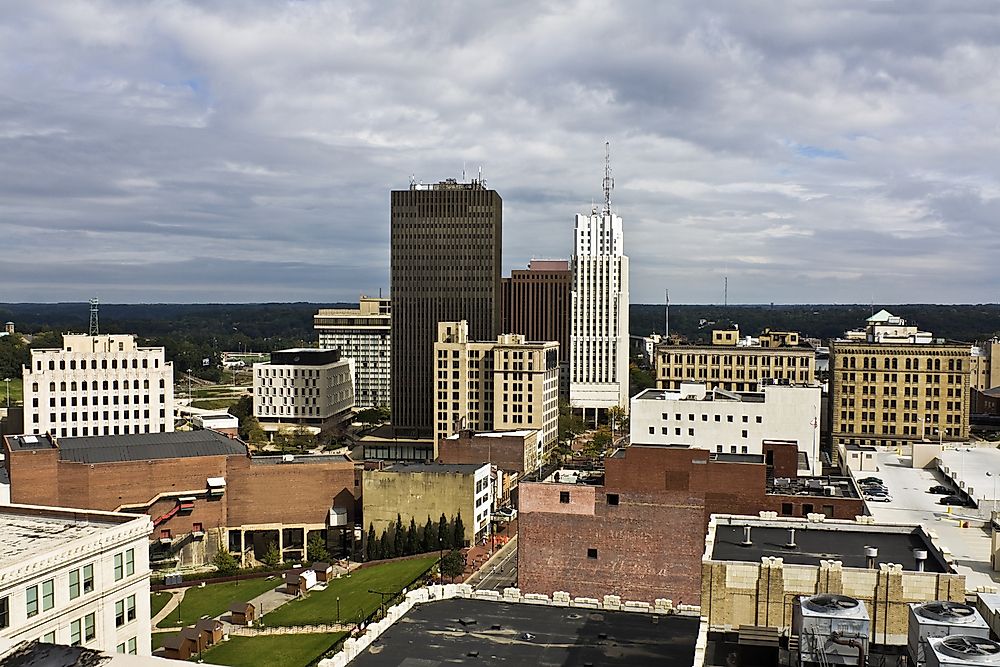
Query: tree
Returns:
{"type": "Point", "coordinates": [316, 550]}
{"type": "Point", "coordinates": [225, 563]}
{"type": "Point", "coordinates": [399, 537]}
{"type": "Point", "coordinates": [458, 539]}
{"type": "Point", "coordinates": [444, 533]}
{"type": "Point", "coordinates": [429, 538]}
{"type": "Point", "coordinates": [453, 565]}
{"type": "Point", "coordinates": [618, 417]}
{"type": "Point", "coordinates": [371, 544]}
{"type": "Point", "coordinates": [372, 417]}
{"type": "Point", "coordinates": [272, 557]}
{"type": "Point", "coordinates": [389, 542]}
{"type": "Point", "coordinates": [410, 545]}
{"type": "Point", "coordinates": [254, 433]}
{"type": "Point", "coordinates": [570, 425]}
{"type": "Point", "coordinates": [598, 444]}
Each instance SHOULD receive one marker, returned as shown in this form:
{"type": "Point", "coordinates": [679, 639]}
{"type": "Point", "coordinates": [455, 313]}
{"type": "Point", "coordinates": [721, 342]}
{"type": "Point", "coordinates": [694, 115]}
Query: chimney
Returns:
{"type": "Point", "coordinates": [747, 542]}
{"type": "Point", "coordinates": [871, 553]}
{"type": "Point", "coordinates": [791, 539]}
{"type": "Point", "coordinates": [921, 556]}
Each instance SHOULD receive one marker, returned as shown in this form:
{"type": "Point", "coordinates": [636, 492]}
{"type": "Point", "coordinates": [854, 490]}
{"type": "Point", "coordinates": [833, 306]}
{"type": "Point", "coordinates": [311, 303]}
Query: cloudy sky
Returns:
{"type": "Point", "coordinates": [240, 150]}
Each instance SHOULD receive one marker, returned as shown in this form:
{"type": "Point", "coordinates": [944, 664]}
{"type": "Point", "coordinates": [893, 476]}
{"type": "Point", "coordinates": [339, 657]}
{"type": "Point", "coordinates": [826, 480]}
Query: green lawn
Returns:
{"type": "Point", "coordinates": [158, 601]}
{"type": "Point", "coordinates": [214, 403]}
{"type": "Point", "coordinates": [355, 600]}
{"type": "Point", "coordinates": [159, 637]}
{"type": "Point", "coordinates": [214, 599]}
{"type": "Point", "coordinates": [16, 392]}
{"type": "Point", "coordinates": [284, 650]}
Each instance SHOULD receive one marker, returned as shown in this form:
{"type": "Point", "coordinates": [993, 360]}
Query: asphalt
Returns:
{"type": "Point", "coordinates": [466, 632]}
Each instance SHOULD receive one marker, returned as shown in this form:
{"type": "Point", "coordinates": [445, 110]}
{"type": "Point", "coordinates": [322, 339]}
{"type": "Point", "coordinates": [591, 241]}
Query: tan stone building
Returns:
{"type": "Point", "coordinates": [420, 491]}
{"type": "Point", "coordinates": [985, 371]}
{"type": "Point", "coordinates": [732, 364]}
{"type": "Point", "coordinates": [507, 385]}
{"type": "Point", "coordinates": [886, 393]}
{"type": "Point", "coordinates": [754, 568]}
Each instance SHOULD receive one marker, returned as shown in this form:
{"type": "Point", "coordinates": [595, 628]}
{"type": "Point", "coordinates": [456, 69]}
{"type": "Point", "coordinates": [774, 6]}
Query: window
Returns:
{"type": "Point", "coordinates": [786, 509]}
{"type": "Point", "coordinates": [49, 637]}
{"type": "Point", "coordinates": [89, 627]}
{"type": "Point", "coordinates": [31, 598]}
{"type": "Point", "coordinates": [132, 647]}
{"type": "Point", "coordinates": [612, 498]}
{"type": "Point", "coordinates": [564, 497]}
{"type": "Point", "coordinates": [119, 567]}
{"type": "Point", "coordinates": [5, 612]}
{"type": "Point", "coordinates": [592, 553]}
{"type": "Point", "coordinates": [120, 613]}
{"type": "Point", "coordinates": [120, 648]}
{"type": "Point", "coordinates": [75, 634]}
{"type": "Point", "coordinates": [48, 594]}
{"type": "Point", "coordinates": [74, 584]}
{"type": "Point", "coordinates": [88, 578]}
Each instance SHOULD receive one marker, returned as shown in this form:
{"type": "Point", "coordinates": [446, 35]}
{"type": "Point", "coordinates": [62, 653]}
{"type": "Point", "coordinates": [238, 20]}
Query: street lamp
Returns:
{"type": "Point", "coordinates": [382, 600]}
{"type": "Point", "coordinates": [338, 610]}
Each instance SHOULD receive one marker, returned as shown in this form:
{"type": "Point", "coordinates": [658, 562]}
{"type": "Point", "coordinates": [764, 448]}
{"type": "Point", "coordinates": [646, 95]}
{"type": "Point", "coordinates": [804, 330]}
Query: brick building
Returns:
{"type": "Point", "coordinates": [202, 490]}
{"type": "Point", "coordinates": [512, 451]}
{"type": "Point", "coordinates": [637, 529]}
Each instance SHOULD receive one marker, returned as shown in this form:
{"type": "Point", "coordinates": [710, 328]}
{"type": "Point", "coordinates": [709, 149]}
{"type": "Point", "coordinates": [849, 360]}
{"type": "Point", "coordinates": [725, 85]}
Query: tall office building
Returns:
{"type": "Point", "coordinates": [361, 334]}
{"type": "Point", "coordinates": [536, 303]}
{"type": "Point", "coordinates": [599, 341]}
{"type": "Point", "coordinates": [98, 385]}
{"type": "Point", "coordinates": [446, 245]}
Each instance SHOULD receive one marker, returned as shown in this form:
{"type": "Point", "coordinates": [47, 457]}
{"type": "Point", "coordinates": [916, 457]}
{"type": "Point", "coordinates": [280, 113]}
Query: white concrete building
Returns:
{"type": "Point", "coordinates": [362, 334]}
{"type": "Point", "coordinates": [303, 386]}
{"type": "Point", "coordinates": [730, 422]}
{"type": "Point", "coordinates": [76, 577]}
{"type": "Point", "coordinates": [98, 385]}
{"type": "Point", "coordinates": [599, 337]}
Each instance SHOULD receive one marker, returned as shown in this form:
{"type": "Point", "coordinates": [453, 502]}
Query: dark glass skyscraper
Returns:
{"type": "Point", "coordinates": [446, 251]}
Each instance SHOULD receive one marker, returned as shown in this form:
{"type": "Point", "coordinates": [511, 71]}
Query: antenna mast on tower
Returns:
{"type": "Point", "coordinates": [94, 328]}
{"type": "Point", "coordinates": [609, 182]}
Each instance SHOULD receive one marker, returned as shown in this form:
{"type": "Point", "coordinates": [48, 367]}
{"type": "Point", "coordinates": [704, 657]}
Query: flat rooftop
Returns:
{"type": "Point", "coordinates": [26, 532]}
{"type": "Point", "coordinates": [573, 476]}
{"type": "Point", "coordinates": [148, 446]}
{"type": "Point", "coordinates": [434, 468]}
{"type": "Point", "coordinates": [523, 433]}
{"type": "Point", "coordinates": [828, 540]}
{"type": "Point", "coordinates": [974, 470]}
{"type": "Point", "coordinates": [304, 356]}
{"type": "Point", "coordinates": [843, 487]}
{"type": "Point", "coordinates": [522, 634]}
{"type": "Point", "coordinates": [300, 459]}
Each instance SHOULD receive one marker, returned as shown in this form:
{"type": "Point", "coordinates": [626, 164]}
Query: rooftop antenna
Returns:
{"type": "Point", "coordinates": [463, 171]}
{"type": "Point", "coordinates": [609, 182]}
{"type": "Point", "coordinates": [413, 180]}
{"type": "Point", "coordinates": [94, 328]}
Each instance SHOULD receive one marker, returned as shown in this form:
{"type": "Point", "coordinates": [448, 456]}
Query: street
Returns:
{"type": "Point", "coordinates": [500, 572]}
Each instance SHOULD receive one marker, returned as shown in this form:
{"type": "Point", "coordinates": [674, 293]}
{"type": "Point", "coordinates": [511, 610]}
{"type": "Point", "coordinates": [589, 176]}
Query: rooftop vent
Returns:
{"type": "Point", "coordinates": [947, 612]}
{"type": "Point", "coordinates": [971, 649]}
{"type": "Point", "coordinates": [831, 603]}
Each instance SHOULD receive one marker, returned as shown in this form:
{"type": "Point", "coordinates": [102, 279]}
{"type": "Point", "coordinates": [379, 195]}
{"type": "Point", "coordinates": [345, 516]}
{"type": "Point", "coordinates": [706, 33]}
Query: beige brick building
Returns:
{"type": "Point", "coordinates": [889, 393]}
{"type": "Point", "coordinates": [507, 385]}
{"type": "Point", "coordinates": [734, 365]}
{"type": "Point", "coordinates": [985, 371]}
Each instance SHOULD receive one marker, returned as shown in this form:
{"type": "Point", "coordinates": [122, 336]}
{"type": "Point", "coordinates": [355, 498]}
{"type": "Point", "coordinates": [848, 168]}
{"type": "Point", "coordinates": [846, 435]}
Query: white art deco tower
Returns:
{"type": "Point", "coordinates": [599, 322]}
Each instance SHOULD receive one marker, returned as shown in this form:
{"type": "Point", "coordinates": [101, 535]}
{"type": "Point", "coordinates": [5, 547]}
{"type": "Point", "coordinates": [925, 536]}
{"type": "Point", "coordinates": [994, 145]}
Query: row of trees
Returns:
{"type": "Point", "coordinates": [401, 540]}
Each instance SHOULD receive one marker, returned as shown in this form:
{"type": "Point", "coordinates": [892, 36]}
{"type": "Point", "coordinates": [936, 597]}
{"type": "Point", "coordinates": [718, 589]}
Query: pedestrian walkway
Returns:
{"type": "Point", "coordinates": [175, 599]}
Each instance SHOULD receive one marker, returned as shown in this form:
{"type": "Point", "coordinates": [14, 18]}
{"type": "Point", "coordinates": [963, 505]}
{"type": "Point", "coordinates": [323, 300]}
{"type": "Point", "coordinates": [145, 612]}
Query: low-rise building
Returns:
{"type": "Point", "coordinates": [362, 334]}
{"type": "Point", "coordinates": [98, 385]}
{"type": "Point", "coordinates": [754, 568]}
{"type": "Point", "coordinates": [221, 422]}
{"type": "Point", "coordinates": [420, 491]}
{"type": "Point", "coordinates": [733, 364]}
{"type": "Point", "coordinates": [731, 422]}
{"type": "Point", "coordinates": [636, 528]}
{"type": "Point", "coordinates": [76, 577]}
{"type": "Point", "coordinates": [513, 451]}
{"type": "Point", "coordinates": [202, 489]}
{"type": "Point", "coordinates": [306, 387]}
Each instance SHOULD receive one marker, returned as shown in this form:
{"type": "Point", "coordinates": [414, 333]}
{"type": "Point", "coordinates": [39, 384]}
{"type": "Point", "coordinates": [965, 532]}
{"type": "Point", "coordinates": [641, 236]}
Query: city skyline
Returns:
{"type": "Point", "coordinates": [243, 152]}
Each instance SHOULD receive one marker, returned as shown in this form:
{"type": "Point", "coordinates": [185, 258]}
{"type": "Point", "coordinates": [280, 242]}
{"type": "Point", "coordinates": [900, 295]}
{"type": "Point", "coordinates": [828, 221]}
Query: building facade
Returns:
{"type": "Point", "coordinates": [98, 385]}
{"type": "Point", "coordinates": [536, 303]}
{"type": "Point", "coordinates": [303, 386]}
{"type": "Point", "coordinates": [599, 336]}
{"type": "Point", "coordinates": [420, 491]}
{"type": "Point", "coordinates": [985, 373]}
{"type": "Point", "coordinates": [729, 365]}
{"type": "Point", "coordinates": [731, 422]}
{"type": "Point", "coordinates": [889, 393]}
{"type": "Point", "coordinates": [445, 267]}
{"type": "Point", "coordinates": [511, 451]}
{"type": "Point", "coordinates": [507, 385]}
{"type": "Point", "coordinates": [75, 577]}
{"type": "Point", "coordinates": [364, 335]}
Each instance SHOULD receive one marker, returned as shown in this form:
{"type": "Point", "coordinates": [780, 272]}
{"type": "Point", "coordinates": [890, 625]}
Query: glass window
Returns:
{"type": "Point", "coordinates": [132, 646]}
{"type": "Point", "coordinates": [89, 627]}
{"type": "Point", "coordinates": [120, 648]}
{"type": "Point", "coordinates": [4, 612]}
{"type": "Point", "coordinates": [88, 578]}
{"type": "Point", "coordinates": [120, 613]}
{"type": "Point", "coordinates": [48, 594]}
{"type": "Point", "coordinates": [130, 608]}
{"type": "Point", "coordinates": [49, 637]}
{"type": "Point", "coordinates": [31, 598]}
{"type": "Point", "coordinates": [130, 562]}
{"type": "Point", "coordinates": [74, 584]}
{"type": "Point", "coordinates": [119, 567]}
{"type": "Point", "coordinates": [75, 634]}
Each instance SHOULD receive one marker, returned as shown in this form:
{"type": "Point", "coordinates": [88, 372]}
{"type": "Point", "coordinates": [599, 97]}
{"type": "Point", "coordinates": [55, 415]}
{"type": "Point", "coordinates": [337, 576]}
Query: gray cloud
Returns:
{"type": "Point", "coordinates": [244, 151]}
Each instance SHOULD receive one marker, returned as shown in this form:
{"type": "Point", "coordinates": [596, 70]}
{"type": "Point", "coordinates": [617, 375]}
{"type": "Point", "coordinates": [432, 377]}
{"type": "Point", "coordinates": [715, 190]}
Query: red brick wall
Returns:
{"type": "Point", "coordinates": [505, 452]}
{"type": "Point", "coordinates": [785, 457]}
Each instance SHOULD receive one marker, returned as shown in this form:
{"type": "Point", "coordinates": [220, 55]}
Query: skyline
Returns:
{"type": "Point", "coordinates": [244, 152]}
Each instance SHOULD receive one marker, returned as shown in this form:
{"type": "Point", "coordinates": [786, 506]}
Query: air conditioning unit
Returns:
{"type": "Point", "coordinates": [962, 651]}
{"type": "Point", "coordinates": [933, 620]}
{"type": "Point", "coordinates": [826, 624]}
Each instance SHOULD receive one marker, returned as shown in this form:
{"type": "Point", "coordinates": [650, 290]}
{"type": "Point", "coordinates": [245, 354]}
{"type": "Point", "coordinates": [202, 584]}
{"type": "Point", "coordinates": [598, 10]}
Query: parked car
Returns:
{"type": "Point", "coordinates": [874, 493]}
{"type": "Point", "coordinates": [952, 500]}
{"type": "Point", "coordinates": [939, 489]}
{"type": "Point", "coordinates": [878, 498]}
{"type": "Point", "coordinates": [874, 487]}
{"type": "Point", "coordinates": [868, 480]}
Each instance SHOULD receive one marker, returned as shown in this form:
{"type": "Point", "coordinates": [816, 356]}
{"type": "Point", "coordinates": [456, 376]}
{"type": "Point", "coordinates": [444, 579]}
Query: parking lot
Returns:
{"type": "Point", "coordinates": [911, 503]}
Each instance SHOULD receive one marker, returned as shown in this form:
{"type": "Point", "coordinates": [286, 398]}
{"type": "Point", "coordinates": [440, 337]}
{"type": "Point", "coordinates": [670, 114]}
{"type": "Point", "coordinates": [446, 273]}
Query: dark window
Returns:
{"type": "Point", "coordinates": [4, 612]}
{"type": "Point", "coordinates": [564, 496]}
{"type": "Point", "coordinates": [592, 553]}
{"type": "Point", "coordinates": [612, 498]}
{"type": "Point", "coordinates": [786, 509]}
{"type": "Point", "coordinates": [807, 508]}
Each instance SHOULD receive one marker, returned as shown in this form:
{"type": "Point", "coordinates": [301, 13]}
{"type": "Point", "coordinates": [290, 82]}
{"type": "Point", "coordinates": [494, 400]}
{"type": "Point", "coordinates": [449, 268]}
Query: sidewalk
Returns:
{"type": "Point", "coordinates": [498, 556]}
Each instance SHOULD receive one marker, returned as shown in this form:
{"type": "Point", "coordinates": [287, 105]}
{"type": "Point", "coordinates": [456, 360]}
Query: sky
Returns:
{"type": "Point", "coordinates": [244, 150]}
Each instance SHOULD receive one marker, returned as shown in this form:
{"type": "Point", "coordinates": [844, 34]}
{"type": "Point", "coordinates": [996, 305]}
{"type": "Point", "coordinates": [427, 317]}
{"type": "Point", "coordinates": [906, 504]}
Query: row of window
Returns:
{"type": "Point", "coordinates": [892, 363]}
{"type": "Point", "coordinates": [93, 364]}
{"type": "Point", "coordinates": [41, 597]}
{"type": "Point", "coordinates": [762, 359]}
{"type": "Point", "coordinates": [105, 385]}
{"type": "Point", "coordinates": [729, 418]}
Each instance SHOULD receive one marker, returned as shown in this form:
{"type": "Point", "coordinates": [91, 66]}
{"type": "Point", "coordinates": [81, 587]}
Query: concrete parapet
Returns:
{"type": "Point", "coordinates": [663, 606]}
{"type": "Point", "coordinates": [512, 594]}
{"type": "Point", "coordinates": [487, 595]}
{"type": "Point", "coordinates": [816, 517]}
{"type": "Point", "coordinates": [561, 597]}
{"type": "Point", "coordinates": [586, 603]}
{"type": "Point", "coordinates": [640, 607]}
{"type": "Point", "coordinates": [692, 609]}
{"type": "Point", "coordinates": [538, 598]}
{"type": "Point", "coordinates": [768, 515]}
{"type": "Point", "coordinates": [612, 602]}
{"type": "Point", "coordinates": [865, 520]}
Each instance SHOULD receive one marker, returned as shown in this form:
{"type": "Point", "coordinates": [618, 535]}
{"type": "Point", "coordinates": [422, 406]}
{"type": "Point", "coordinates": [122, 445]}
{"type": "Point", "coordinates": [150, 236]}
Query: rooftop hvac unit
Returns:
{"type": "Point", "coordinates": [933, 620]}
{"type": "Point", "coordinates": [962, 651]}
{"type": "Point", "coordinates": [825, 624]}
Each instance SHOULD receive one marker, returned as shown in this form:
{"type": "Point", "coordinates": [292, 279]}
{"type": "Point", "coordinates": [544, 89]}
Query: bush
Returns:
{"type": "Point", "coordinates": [453, 565]}
{"type": "Point", "coordinates": [225, 563]}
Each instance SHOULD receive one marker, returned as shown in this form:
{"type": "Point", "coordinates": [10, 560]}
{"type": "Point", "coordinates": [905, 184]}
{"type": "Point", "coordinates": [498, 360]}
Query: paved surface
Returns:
{"type": "Point", "coordinates": [486, 633]}
{"type": "Point", "coordinates": [977, 470]}
{"type": "Point", "coordinates": [500, 571]}
{"type": "Point", "coordinates": [912, 504]}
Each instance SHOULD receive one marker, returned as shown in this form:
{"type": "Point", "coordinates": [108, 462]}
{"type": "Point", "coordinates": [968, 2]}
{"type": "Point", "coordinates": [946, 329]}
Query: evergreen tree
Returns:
{"type": "Point", "coordinates": [453, 565]}
{"type": "Point", "coordinates": [400, 537]}
{"type": "Point", "coordinates": [429, 538]}
{"type": "Point", "coordinates": [371, 544]}
{"type": "Point", "coordinates": [458, 540]}
{"type": "Point", "coordinates": [411, 538]}
{"type": "Point", "coordinates": [225, 563]}
{"type": "Point", "coordinates": [444, 533]}
{"type": "Point", "coordinates": [272, 557]}
{"type": "Point", "coordinates": [389, 542]}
